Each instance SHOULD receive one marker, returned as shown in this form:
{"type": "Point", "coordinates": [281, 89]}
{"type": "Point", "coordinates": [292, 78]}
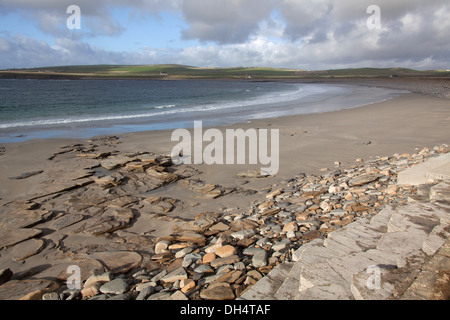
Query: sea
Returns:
{"type": "Point", "coordinates": [39, 109]}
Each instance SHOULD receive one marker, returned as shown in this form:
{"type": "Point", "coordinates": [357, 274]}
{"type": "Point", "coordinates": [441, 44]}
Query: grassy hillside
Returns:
{"type": "Point", "coordinates": [173, 71]}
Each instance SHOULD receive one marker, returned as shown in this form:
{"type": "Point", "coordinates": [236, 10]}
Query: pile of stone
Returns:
{"type": "Point", "coordinates": [217, 255]}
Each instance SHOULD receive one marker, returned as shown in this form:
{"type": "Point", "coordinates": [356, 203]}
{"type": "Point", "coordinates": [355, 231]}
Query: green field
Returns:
{"type": "Point", "coordinates": [172, 71]}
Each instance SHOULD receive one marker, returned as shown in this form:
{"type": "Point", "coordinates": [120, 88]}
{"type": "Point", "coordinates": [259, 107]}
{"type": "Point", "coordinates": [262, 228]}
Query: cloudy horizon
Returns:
{"type": "Point", "coordinates": [296, 34]}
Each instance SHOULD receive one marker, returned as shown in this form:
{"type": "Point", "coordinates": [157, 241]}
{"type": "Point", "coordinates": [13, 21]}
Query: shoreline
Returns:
{"type": "Point", "coordinates": [312, 98]}
{"type": "Point", "coordinates": [433, 87]}
{"type": "Point", "coordinates": [59, 187]}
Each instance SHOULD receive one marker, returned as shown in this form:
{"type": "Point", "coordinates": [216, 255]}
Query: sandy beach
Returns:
{"type": "Point", "coordinates": [47, 179]}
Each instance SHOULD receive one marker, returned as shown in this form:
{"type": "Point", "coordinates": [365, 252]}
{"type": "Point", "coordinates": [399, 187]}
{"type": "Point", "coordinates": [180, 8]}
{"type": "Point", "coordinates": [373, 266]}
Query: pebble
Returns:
{"type": "Point", "coordinates": [225, 251]}
{"type": "Point", "coordinates": [260, 258]}
{"type": "Point", "coordinates": [218, 291]}
{"type": "Point", "coordinates": [116, 286]}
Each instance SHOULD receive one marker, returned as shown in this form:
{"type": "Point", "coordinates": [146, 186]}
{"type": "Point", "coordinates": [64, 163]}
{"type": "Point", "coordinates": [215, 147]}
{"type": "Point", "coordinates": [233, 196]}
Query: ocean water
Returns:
{"type": "Point", "coordinates": [32, 109]}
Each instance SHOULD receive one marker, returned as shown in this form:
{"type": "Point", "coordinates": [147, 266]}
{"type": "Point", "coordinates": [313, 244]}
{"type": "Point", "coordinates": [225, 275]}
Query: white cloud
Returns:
{"type": "Point", "coordinates": [306, 34]}
{"type": "Point", "coordinates": [224, 22]}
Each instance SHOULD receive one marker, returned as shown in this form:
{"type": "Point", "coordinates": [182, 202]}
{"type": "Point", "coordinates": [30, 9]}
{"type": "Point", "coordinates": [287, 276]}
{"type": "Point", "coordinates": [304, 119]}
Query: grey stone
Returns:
{"type": "Point", "coordinates": [189, 259]}
{"type": "Point", "coordinates": [122, 296]}
{"type": "Point", "coordinates": [364, 179]}
{"type": "Point", "coordinates": [144, 293]}
{"type": "Point", "coordinates": [250, 251]}
{"type": "Point", "coordinates": [260, 258]}
{"type": "Point", "coordinates": [116, 286]}
{"type": "Point", "coordinates": [243, 234]}
{"type": "Point", "coordinates": [282, 245]}
{"type": "Point", "coordinates": [177, 274]}
{"type": "Point", "coordinates": [163, 295]}
{"type": "Point", "coordinates": [203, 269]}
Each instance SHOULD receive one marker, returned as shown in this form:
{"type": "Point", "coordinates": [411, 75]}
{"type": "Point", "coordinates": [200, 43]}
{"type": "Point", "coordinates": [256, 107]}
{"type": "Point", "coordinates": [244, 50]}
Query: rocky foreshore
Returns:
{"type": "Point", "coordinates": [88, 200]}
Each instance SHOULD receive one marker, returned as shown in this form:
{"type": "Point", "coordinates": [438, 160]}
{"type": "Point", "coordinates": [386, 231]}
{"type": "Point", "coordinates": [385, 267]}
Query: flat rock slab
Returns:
{"type": "Point", "coordinates": [364, 179]}
{"type": "Point", "coordinates": [11, 237]}
{"type": "Point", "coordinates": [113, 163]}
{"type": "Point", "coordinates": [441, 191]}
{"type": "Point", "coordinates": [118, 261]}
{"type": "Point", "coordinates": [175, 275]}
{"type": "Point", "coordinates": [86, 265]}
{"type": "Point", "coordinates": [23, 218]}
{"type": "Point", "coordinates": [27, 249]}
{"type": "Point", "coordinates": [26, 289]}
{"type": "Point", "coordinates": [66, 220]}
{"type": "Point", "coordinates": [427, 172]}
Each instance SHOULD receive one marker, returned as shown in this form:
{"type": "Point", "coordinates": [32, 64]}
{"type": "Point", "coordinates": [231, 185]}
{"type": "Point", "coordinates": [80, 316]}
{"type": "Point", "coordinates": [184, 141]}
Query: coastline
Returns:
{"type": "Point", "coordinates": [308, 143]}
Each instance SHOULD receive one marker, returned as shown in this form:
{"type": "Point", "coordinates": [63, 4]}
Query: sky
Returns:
{"type": "Point", "coordinates": [293, 34]}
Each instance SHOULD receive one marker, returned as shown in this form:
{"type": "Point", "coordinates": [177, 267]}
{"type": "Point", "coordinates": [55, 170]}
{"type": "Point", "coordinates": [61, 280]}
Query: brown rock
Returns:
{"type": "Point", "coordinates": [230, 277]}
{"type": "Point", "coordinates": [392, 189]}
{"type": "Point", "coordinates": [357, 207]}
{"type": "Point", "coordinates": [242, 224]}
{"type": "Point", "coordinates": [225, 251]}
{"type": "Point", "coordinates": [266, 204]}
{"type": "Point", "coordinates": [214, 194]}
{"type": "Point", "coordinates": [302, 216]}
{"type": "Point", "coordinates": [271, 212]}
{"type": "Point", "coordinates": [207, 258]}
{"type": "Point", "coordinates": [273, 194]}
{"type": "Point", "coordinates": [348, 196]}
{"type": "Point", "coordinates": [313, 194]}
{"type": "Point", "coordinates": [92, 290]}
{"type": "Point", "coordinates": [118, 261]}
{"type": "Point", "coordinates": [113, 163]}
{"type": "Point", "coordinates": [255, 275]}
{"type": "Point", "coordinates": [136, 166]}
{"type": "Point", "coordinates": [66, 221]}
{"type": "Point", "coordinates": [311, 235]}
{"type": "Point", "coordinates": [364, 179]}
{"type": "Point", "coordinates": [216, 263]}
{"type": "Point", "coordinates": [186, 285]}
{"type": "Point", "coordinates": [290, 226]}
{"type": "Point", "coordinates": [218, 291]}
{"type": "Point", "coordinates": [23, 218]}
{"type": "Point", "coordinates": [165, 177]}
{"type": "Point", "coordinates": [189, 236]}
{"type": "Point", "coordinates": [219, 227]}
{"type": "Point", "coordinates": [246, 242]}
{"type": "Point", "coordinates": [111, 220]}
{"type": "Point", "coordinates": [100, 278]}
